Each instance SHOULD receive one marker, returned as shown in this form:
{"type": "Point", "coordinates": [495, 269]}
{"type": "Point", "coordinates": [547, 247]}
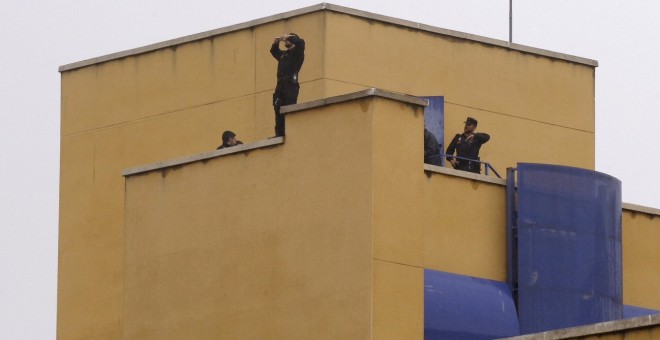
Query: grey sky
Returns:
{"type": "Point", "coordinates": [38, 36]}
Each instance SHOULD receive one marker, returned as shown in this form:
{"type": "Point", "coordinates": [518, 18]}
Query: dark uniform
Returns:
{"type": "Point", "coordinates": [467, 149]}
{"type": "Point", "coordinates": [431, 149]}
{"type": "Point", "coordinates": [288, 65]}
{"type": "Point", "coordinates": [225, 145]}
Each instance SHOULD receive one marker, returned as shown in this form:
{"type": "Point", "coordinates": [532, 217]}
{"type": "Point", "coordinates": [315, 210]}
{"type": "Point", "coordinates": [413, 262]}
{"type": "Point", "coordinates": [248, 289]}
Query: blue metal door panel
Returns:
{"type": "Point", "coordinates": [434, 120]}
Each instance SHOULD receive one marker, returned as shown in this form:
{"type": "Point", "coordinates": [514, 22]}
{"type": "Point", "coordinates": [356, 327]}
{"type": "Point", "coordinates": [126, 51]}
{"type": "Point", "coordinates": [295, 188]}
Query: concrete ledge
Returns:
{"type": "Point", "coordinates": [464, 174]}
{"type": "Point", "coordinates": [501, 181]}
{"type": "Point", "coordinates": [461, 35]}
{"type": "Point", "coordinates": [641, 208]}
{"type": "Point", "coordinates": [372, 92]}
{"type": "Point", "coordinates": [337, 9]}
{"type": "Point", "coordinates": [190, 38]}
{"type": "Point", "coordinates": [595, 329]}
{"type": "Point", "coordinates": [203, 156]}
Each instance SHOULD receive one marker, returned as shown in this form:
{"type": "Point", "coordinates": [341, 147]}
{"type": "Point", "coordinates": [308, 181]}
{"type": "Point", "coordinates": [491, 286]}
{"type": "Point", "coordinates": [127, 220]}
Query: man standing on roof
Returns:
{"type": "Point", "coordinates": [467, 146]}
{"type": "Point", "coordinates": [289, 63]}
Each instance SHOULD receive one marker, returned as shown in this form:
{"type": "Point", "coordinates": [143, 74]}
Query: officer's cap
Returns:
{"type": "Point", "coordinates": [471, 121]}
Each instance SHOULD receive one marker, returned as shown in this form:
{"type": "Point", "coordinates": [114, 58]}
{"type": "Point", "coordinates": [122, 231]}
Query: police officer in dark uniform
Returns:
{"type": "Point", "coordinates": [289, 63]}
{"type": "Point", "coordinates": [467, 145]}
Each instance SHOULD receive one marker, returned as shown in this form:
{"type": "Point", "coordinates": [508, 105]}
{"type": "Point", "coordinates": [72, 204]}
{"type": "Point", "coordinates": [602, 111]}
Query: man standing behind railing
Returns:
{"type": "Point", "coordinates": [467, 146]}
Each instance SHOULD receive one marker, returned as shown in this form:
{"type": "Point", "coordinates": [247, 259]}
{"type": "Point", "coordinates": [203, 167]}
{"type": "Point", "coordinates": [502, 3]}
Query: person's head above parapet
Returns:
{"type": "Point", "coordinates": [228, 137]}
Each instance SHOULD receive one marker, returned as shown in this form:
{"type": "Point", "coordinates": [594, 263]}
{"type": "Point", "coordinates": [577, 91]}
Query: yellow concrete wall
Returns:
{"type": "Point", "coordinates": [420, 222]}
{"type": "Point", "coordinates": [176, 101]}
{"type": "Point", "coordinates": [159, 105]}
{"type": "Point", "coordinates": [191, 75]}
{"type": "Point", "coordinates": [524, 101]}
{"type": "Point", "coordinates": [285, 232]}
{"type": "Point", "coordinates": [431, 220]}
{"type": "Point", "coordinates": [92, 207]}
{"type": "Point", "coordinates": [274, 243]}
{"type": "Point", "coordinates": [465, 227]}
{"type": "Point", "coordinates": [398, 301]}
{"type": "Point", "coordinates": [641, 253]}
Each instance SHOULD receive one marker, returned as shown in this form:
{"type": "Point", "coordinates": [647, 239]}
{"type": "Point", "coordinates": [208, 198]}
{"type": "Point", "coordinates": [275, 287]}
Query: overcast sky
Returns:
{"type": "Point", "coordinates": [36, 37]}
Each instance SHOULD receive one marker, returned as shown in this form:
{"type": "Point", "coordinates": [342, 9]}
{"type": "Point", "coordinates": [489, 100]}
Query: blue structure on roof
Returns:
{"type": "Point", "coordinates": [464, 307]}
{"type": "Point", "coordinates": [434, 120]}
{"type": "Point", "coordinates": [569, 269]}
{"type": "Point", "coordinates": [564, 262]}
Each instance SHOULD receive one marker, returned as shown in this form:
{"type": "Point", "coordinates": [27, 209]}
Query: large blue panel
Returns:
{"type": "Point", "coordinates": [569, 247]}
{"type": "Point", "coordinates": [434, 120]}
{"type": "Point", "coordinates": [464, 307]}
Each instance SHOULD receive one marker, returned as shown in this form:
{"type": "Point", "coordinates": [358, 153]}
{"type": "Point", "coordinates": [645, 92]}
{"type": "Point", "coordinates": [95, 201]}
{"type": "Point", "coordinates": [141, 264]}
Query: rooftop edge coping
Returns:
{"type": "Point", "coordinates": [202, 156]}
{"type": "Point", "coordinates": [502, 181]}
{"type": "Point", "coordinates": [465, 174]}
{"type": "Point", "coordinates": [641, 208]}
{"type": "Point", "coordinates": [334, 8]}
{"type": "Point", "coordinates": [371, 92]}
{"type": "Point", "coordinates": [594, 329]}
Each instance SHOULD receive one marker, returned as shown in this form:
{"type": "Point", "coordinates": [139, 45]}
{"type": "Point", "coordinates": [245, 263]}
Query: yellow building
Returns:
{"type": "Point", "coordinates": [326, 234]}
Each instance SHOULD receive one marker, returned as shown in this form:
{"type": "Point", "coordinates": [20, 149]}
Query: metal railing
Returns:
{"type": "Point", "coordinates": [487, 165]}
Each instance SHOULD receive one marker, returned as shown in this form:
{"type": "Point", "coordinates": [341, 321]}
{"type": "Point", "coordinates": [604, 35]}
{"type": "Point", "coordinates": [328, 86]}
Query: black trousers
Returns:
{"type": "Point", "coordinates": [469, 166]}
{"type": "Point", "coordinates": [286, 93]}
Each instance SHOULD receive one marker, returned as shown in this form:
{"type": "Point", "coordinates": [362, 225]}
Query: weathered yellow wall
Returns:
{"type": "Point", "coordinates": [430, 220]}
{"type": "Point", "coordinates": [201, 73]}
{"type": "Point", "coordinates": [398, 301]}
{"type": "Point", "coordinates": [176, 101]}
{"type": "Point", "coordinates": [465, 227]}
{"type": "Point", "coordinates": [160, 105]}
{"type": "Point", "coordinates": [524, 101]}
{"type": "Point", "coordinates": [285, 232]}
{"type": "Point", "coordinates": [641, 253]}
{"type": "Point", "coordinates": [273, 243]}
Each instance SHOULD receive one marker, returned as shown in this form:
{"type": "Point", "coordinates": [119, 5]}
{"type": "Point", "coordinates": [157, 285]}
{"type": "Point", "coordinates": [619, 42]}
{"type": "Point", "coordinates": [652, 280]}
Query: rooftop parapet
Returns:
{"type": "Point", "coordinates": [338, 9]}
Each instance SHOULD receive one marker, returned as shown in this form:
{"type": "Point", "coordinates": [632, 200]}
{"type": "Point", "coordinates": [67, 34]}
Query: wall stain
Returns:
{"type": "Point", "coordinates": [364, 105]}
